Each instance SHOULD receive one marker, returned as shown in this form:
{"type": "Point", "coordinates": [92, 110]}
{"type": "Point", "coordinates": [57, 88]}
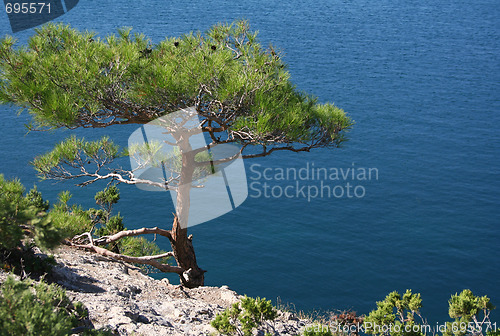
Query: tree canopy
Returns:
{"type": "Point", "coordinates": [230, 89]}
{"type": "Point", "coordinates": [67, 78]}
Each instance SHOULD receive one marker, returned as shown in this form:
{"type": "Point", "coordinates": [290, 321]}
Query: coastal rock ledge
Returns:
{"type": "Point", "coordinates": [120, 297]}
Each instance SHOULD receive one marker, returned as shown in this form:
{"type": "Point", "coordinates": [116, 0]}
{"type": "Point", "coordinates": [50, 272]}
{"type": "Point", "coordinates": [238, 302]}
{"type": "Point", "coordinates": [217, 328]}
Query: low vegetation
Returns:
{"type": "Point", "coordinates": [39, 309]}
{"type": "Point", "coordinates": [399, 315]}
{"type": "Point", "coordinates": [245, 316]}
{"type": "Point", "coordinates": [29, 308]}
{"type": "Point", "coordinates": [26, 222]}
{"type": "Point", "coordinates": [88, 228]}
{"type": "Point", "coordinates": [396, 315]}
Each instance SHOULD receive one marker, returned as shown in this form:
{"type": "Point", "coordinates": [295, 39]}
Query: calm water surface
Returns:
{"type": "Point", "coordinates": [422, 81]}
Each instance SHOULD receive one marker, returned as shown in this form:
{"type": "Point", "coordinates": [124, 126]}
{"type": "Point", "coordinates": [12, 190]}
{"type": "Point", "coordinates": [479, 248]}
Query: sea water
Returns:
{"type": "Point", "coordinates": [422, 81]}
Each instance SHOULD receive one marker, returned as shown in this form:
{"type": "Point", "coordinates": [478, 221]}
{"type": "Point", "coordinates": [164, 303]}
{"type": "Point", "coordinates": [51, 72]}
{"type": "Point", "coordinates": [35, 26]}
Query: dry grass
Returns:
{"type": "Point", "coordinates": [323, 317]}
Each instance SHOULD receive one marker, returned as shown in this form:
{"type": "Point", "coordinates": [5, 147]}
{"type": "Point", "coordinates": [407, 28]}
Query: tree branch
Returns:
{"type": "Point", "coordinates": [119, 178]}
{"type": "Point", "coordinates": [147, 260]}
{"type": "Point", "coordinates": [130, 233]}
{"type": "Point", "coordinates": [266, 152]}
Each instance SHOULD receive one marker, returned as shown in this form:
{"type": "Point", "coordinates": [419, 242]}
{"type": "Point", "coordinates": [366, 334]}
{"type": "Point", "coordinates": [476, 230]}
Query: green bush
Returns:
{"type": "Point", "coordinates": [73, 221]}
{"type": "Point", "coordinates": [12, 212]}
{"type": "Point", "coordinates": [24, 216]}
{"type": "Point", "coordinates": [30, 309]}
{"type": "Point", "coordinates": [108, 225]}
{"type": "Point", "coordinates": [70, 220]}
{"type": "Point", "coordinates": [244, 316]}
{"type": "Point", "coordinates": [140, 246]}
{"type": "Point", "coordinates": [467, 310]}
{"type": "Point", "coordinates": [25, 262]}
{"type": "Point", "coordinates": [24, 222]}
{"type": "Point", "coordinates": [397, 315]}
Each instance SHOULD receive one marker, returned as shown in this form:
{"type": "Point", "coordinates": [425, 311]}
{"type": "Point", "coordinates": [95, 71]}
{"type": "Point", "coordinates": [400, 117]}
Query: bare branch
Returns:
{"type": "Point", "coordinates": [147, 260]}
{"type": "Point", "coordinates": [130, 233]}
{"type": "Point", "coordinates": [119, 178]}
{"type": "Point", "coordinates": [266, 152]}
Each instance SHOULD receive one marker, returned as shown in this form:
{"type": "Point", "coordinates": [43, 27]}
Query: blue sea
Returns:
{"type": "Point", "coordinates": [422, 81]}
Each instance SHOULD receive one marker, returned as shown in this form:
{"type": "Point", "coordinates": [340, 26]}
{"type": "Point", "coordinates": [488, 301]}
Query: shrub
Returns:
{"type": "Point", "coordinates": [108, 225]}
{"type": "Point", "coordinates": [245, 316]}
{"type": "Point", "coordinates": [74, 221]}
{"type": "Point", "coordinates": [24, 216]}
{"type": "Point", "coordinates": [70, 220]}
{"type": "Point", "coordinates": [140, 246]}
{"type": "Point", "coordinates": [11, 213]}
{"type": "Point", "coordinates": [470, 312]}
{"type": "Point", "coordinates": [396, 315]}
{"type": "Point", "coordinates": [36, 309]}
{"type": "Point", "coordinates": [24, 222]}
{"type": "Point", "coordinates": [29, 309]}
{"type": "Point", "coordinates": [25, 262]}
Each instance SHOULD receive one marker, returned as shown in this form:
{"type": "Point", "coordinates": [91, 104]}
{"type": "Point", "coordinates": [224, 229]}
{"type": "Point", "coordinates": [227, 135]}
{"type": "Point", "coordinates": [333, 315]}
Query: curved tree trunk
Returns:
{"type": "Point", "coordinates": [182, 246]}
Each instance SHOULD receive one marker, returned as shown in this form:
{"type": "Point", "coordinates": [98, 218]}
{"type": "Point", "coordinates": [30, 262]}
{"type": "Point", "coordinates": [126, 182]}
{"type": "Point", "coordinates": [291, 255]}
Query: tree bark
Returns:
{"type": "Point", "coordinates": [182, 245]}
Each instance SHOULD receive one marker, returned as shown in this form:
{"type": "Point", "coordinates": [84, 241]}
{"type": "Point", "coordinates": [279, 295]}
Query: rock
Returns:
{"type": "Point", "coordinates": [288, 316]}
{"type": "Point", "coordinates": [229, 296]}
{"type": "Point", "coordinates": [120, 297]}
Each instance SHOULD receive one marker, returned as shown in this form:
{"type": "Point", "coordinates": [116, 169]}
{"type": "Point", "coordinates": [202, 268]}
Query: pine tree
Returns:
{"type": "Point", "coordinates": [241, 91]}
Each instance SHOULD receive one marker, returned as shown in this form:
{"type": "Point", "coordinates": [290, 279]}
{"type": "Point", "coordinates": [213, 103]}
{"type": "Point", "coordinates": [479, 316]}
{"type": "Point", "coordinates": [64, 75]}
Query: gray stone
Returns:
{"type": "Point", "coordinates": [118, 296]}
